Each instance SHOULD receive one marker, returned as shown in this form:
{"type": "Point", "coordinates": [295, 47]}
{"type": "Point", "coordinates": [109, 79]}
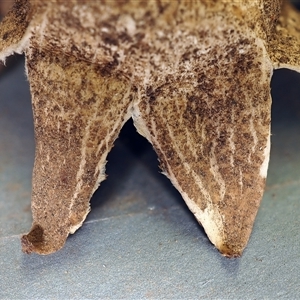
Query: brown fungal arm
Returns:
{"type": "Point", "coordinates": [78, 113]}
{"type": "Point", "coordinates": [211, 129]}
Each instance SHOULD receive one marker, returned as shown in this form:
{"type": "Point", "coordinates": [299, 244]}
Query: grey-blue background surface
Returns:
{"type": "Point", "coordinates": [140, 241]}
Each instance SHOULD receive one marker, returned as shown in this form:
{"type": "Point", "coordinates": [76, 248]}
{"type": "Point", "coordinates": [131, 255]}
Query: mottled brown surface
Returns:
{"type": "Point", "coordinates": [213, 126]}
{"type": "Point", "coordinates": [194, 76]}
{"type": "Point", "coordinates": [15, 24]}
{"type": "Point", "coordinates": [283, 47]}
{"type": "Point", "coordinates": [75, 109]}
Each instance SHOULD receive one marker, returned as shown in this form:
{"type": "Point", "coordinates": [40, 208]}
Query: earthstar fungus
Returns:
{"type": "Point", "coordinates": [195, 78]}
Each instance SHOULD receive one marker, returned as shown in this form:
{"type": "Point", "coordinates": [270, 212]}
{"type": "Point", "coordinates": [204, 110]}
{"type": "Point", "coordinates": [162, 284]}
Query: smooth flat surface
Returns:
{"type": "Point", "coordinates": [140, 241]}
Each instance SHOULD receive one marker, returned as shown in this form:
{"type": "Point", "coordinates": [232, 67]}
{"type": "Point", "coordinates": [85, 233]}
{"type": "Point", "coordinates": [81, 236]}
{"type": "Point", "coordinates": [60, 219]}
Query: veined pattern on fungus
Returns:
{"type": "Point", "coordinates": [195, 78]}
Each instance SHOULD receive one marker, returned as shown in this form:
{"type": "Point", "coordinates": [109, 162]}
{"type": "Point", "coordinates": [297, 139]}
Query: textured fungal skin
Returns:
{"type": "Point", "coordinates": [195, 78]}
{"type": "Point", "coordinates": [78, 113]}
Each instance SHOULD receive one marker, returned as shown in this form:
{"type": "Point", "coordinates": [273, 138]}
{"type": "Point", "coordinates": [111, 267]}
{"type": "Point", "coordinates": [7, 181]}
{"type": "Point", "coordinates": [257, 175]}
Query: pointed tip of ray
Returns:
{"type": "Point", "coordinates": [227, 246]}
{"type": "Point", "coordinates": [41, 242]}
{"type": "Point", "coordinates": [33, 241]}
{"type": "Point", "coordinates": [230, 251]}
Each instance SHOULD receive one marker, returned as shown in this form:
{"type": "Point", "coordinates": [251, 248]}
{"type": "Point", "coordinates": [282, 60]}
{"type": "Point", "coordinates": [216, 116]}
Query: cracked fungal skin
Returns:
{"type": "Point", "coordinates": [195, 78]}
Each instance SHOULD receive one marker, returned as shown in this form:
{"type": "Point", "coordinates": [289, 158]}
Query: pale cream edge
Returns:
{"type": "Point", "coordinates": [265, 165]}
{"type": "Point", "coordinates": [16, 48]}
{"type": "Point", "coordinates": [77, 226]}
{"type": "Point", "coordinates": [101, 176]}
{"type": "Point", "coordinates": [278, 66]}
{"type": "Point", "coordinates": [263, 172]}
